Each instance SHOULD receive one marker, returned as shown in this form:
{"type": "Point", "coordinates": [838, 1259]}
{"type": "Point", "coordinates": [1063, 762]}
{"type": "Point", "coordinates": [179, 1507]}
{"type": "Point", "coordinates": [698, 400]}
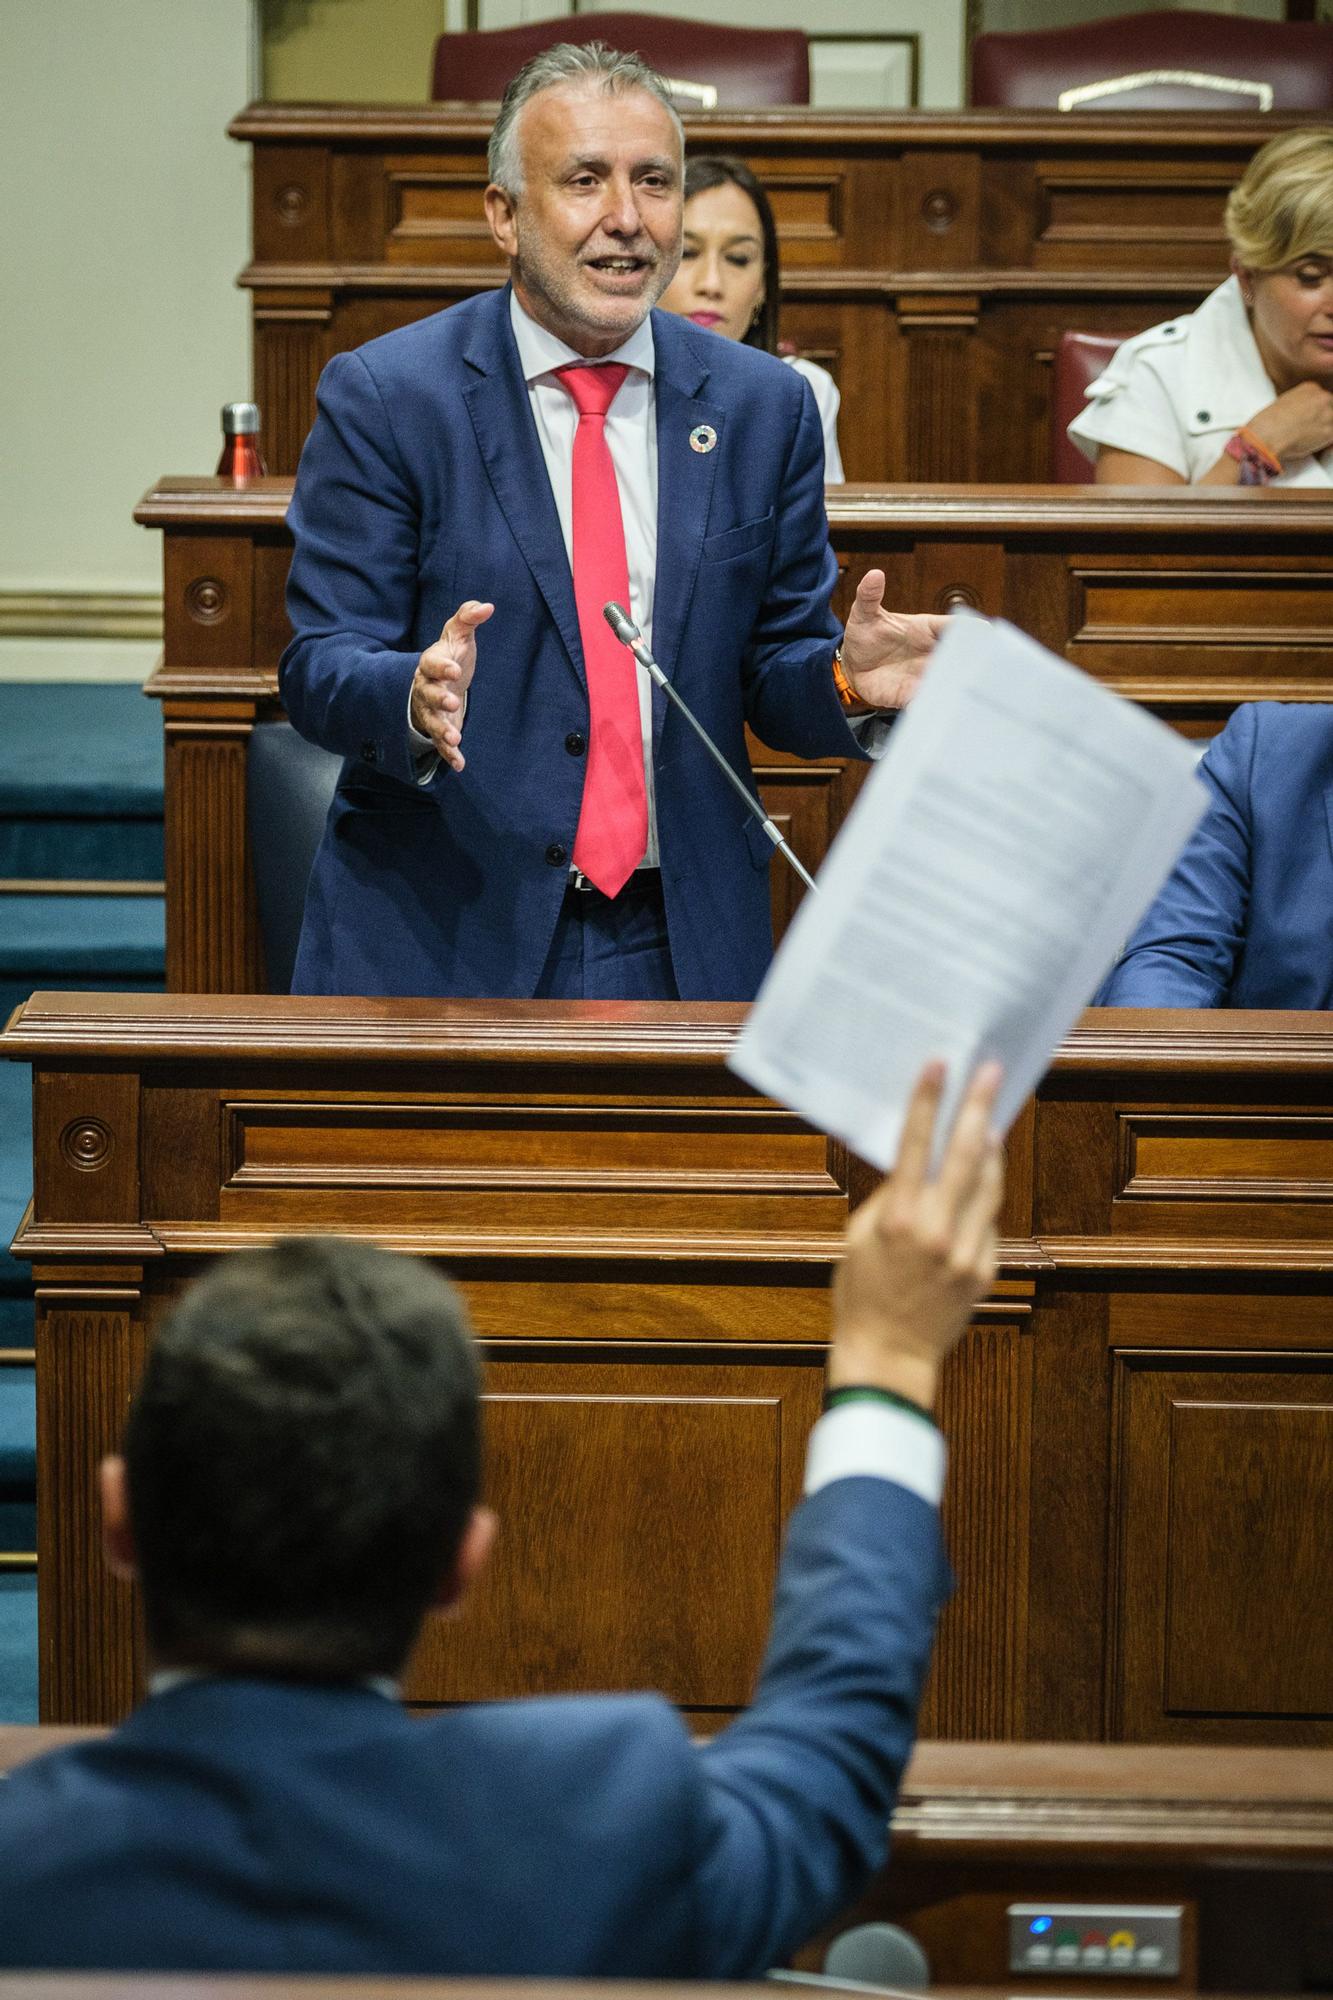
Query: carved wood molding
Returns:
{"type": "Point", "coordinates": [1002, 130]}
{"type": "Point", "coordinates": [799, 281]}
{"type": "Point", "coordinates": [915, 509]}
{"type": "Point", "coordinates": [1215, 1804]}
{"type": "Point", "coordinates": [1205, 1831]}
{"type": "Point", "coordinates": [80, 614]}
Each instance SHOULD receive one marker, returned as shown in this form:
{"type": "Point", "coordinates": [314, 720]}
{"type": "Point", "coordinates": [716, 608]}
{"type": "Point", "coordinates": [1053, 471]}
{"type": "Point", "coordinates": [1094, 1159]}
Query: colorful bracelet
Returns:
{"type": "Point", "coordinates": [847, 694]}
{"type": "Point", "coordinates": [854, 1392]}
{"type": "Point", "coordinates": [1258, 465]}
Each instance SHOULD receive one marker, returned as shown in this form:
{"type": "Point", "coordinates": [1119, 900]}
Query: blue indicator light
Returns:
{"type": "Point", "coordinates": [1039, 1926]}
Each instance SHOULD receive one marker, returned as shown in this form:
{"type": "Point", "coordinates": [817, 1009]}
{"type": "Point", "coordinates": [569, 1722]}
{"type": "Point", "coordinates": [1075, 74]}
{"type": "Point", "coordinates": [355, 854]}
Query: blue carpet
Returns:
{"type": "Point", "coordinates": [18, 1646]}
{"type": "Point", "coordinates": [15, 1183]}
{"type": "Point", "coordinates": [85, 751]}
{"type": "Point", "coordinates": [18, 1424]}
{"type": "Point", "coordinates": [80, 799]}
{"type": "Point", "coordinates": [16, 1322]}
{"type": "Point", "coordinates": [92, 850]}
{"type": "Point", "coordinates": [70, 937]}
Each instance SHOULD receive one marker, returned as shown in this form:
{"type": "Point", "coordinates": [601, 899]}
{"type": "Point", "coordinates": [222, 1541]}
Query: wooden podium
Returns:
{"type": "Point", "coordinates": [1141, 1421]}
{"type": "Point", "coordinates": [1186, 602]}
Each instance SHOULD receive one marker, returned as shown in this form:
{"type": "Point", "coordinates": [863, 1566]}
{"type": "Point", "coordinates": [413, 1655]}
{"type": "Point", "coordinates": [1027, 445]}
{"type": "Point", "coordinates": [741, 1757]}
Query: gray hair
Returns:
{"type": "Point", "coordinates": [567, 62]}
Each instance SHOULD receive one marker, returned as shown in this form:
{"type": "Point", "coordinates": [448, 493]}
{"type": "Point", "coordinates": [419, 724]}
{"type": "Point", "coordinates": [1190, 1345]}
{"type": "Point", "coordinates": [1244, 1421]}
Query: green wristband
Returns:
{"type": "Point", "coordinates": [866, 1393]}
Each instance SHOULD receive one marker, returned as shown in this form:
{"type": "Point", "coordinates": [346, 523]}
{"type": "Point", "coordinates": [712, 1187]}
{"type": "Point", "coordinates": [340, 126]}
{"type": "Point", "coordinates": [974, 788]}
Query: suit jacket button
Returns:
{"type": "Point", "coordinates": [557, 855]}
{"type": "Point", "coordinates": [576, 743]}
{"type": "Point", "coordinates": [369, 753]}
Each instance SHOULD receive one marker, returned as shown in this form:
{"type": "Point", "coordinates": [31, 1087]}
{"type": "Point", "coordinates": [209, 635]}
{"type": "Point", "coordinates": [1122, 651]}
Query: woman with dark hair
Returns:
{"type": "Point", "coordinates": [728, 276]}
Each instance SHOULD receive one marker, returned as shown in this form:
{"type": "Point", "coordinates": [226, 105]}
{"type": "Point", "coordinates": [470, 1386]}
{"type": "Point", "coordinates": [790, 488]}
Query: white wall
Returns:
{"type": "Point", "coordinates": [123, 224]}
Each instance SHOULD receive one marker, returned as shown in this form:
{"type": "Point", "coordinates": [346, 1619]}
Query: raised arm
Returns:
{"type": "Point", "coordinates": [798, 1792]}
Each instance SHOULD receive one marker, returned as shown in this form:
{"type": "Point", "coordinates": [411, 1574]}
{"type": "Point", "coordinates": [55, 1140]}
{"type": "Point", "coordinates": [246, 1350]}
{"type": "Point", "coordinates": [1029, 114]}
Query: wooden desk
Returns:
{"type": "Point", "coordinates": [1141, 1493]}
{"type": "Point", "coordinates": [1188, 602]}
{"type": "Point", "coordinates": [930, 259]}
{"type": "Point", "coordinates": [1242, 1838]}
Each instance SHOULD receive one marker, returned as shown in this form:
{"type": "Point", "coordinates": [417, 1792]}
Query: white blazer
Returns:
{"type": "Point", "coordinates": [1177, 393]}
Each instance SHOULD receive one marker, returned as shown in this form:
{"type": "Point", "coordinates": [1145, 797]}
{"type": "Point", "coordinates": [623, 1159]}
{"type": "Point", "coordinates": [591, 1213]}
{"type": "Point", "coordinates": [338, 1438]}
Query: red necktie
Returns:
{"type": "Point", "coordinates": [613, 821]}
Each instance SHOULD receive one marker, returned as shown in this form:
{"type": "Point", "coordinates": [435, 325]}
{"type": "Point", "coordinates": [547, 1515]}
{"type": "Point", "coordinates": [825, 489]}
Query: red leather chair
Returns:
{"type": "Point", "coordinates": [744, 65]}
{"type": "Point", "coordinates": [1079, 360]}
{"type": "Point", "coordinates": [1184, 61]}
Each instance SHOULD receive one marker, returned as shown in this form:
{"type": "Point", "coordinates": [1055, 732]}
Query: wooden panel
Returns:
{"type": "Point", "coordinates": [978, 1680]}
{"type": "Point", "coordinates": [1220, 607]}
{"type": "Point", "coordinates": [939, 332]}
{"type": "Point", "coordinates": [1106, 1560]}
{"type": "Point", "coordinates": [1170, 1158]}
{"type": "Point", "coordinates": [939, 197]}
{"type": "Point", "coordinates": [207, 600]}
{"type": "Point", "coordinates": [213, 942]}
{"type": "Point", "coordinates": [86, 1149]}
{"type": "Point", "coordinates": [1197, 1172]}
{"type": "Point", "coordinates": [1119, 213]}
{"type": "Point", "coordinates": [809, 207]}
{"type": "Point", "coordinates": [88, 1352]}
{"type": "Point", "coordinates": [290, 204]}
{"type": "Point", "coordinates": [291, 345]}
{"type": "Point", "coordinates": [807, 803]}
{"type": "Point", "coordinates": [1225, 1548]}
{"type": "Point", "coordinates": [685, 1460]}
{"type": "Point", "coordinates": [862, 351]}
{"type": "Point", "coordinates": [607, 1148]}
{"type": "Point", "coordinates": [1106, 222]}
{"type": "Point", "coordinates": [435, 213]}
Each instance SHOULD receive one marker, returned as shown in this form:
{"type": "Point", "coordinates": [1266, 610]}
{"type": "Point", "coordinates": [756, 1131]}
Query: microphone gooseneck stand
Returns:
{"type": "Point", "coordinates": [629, 635]}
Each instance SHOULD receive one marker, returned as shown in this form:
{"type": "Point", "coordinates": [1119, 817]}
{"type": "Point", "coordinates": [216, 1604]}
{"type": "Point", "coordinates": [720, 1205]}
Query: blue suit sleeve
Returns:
{"type": "Point", "coordinates": [790, 699]}
{"type": "Point", "coordinates": [799, 1790]}
{"type": "Point", "coordinates": [346, 676]}
{"type": "Point", "coordinates": [1185, 951]}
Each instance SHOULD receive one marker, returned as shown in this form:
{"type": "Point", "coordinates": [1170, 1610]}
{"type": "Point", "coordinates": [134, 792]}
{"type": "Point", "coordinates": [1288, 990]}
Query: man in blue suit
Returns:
{"type": "Point", "coordinates": [1246, 916]}
{"type": "Point", "coordinates": [300, 1484]}
{"type": "Point", "coordinates": [440, 493]}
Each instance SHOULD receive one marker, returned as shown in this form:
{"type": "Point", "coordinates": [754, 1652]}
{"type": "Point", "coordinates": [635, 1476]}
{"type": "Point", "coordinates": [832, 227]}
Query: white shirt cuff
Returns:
{"type": "Point", "coordinates": [877, 1441]}
{"type": "Point", "coordinates": [425, 757]}
{"type": "Point", "coordinates": [872, 730]}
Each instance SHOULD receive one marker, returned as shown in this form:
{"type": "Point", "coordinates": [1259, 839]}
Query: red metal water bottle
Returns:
{"type": "Point", "coordinates": [241, 459]}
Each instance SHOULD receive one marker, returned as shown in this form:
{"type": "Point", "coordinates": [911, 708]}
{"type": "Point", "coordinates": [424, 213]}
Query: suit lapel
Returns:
{"type": "Point", "coordinates": [684, 485]}
{"type": "Point", "coordinates": [497, 402]}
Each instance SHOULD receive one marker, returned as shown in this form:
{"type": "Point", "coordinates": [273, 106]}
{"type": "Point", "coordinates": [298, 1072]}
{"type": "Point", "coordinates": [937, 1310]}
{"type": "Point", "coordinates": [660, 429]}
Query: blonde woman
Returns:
{"type": "Point", "coordinates": [1241, 391]}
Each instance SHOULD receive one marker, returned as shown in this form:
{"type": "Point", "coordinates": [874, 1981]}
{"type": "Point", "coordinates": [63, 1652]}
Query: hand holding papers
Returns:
{"type": "Point", "coordinates": [1019, 825]}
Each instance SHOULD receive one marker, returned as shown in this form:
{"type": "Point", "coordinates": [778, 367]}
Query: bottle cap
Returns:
{"type": "Point", "coordinates": [240, 419]}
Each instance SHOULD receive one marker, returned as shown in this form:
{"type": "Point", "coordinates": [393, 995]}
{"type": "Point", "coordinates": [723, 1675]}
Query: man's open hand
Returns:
{"type": "Point", "coordinates": [884, 653]}
{"type": "Point", "coordinates": [921, 1251]}
{"type": "Point", "coordinates": [442, 679]}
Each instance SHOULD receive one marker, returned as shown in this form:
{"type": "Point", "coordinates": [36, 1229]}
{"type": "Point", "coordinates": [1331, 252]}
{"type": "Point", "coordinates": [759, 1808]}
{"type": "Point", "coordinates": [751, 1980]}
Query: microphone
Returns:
{"type": "Point", "coordinates": [629, 635]}
{"type": "Point", "coordinates": [879, 1955]}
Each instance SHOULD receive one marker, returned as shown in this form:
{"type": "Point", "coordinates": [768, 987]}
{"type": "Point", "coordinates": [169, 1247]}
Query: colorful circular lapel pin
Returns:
{"type": "Point", "coordinates": [703, 437]}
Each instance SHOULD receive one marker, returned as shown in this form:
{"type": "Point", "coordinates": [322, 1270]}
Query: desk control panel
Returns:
{"type": "Point", "coordinates": [1114, 1939]}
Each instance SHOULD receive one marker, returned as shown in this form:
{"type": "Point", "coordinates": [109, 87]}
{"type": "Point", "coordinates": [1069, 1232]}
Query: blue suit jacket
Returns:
{"type": "Point", "coordinates": [422, 483]}
{"type": "Point", "coordinates": [1246, 917]}
{"type": "Point", "coordinates": [255, 1826]}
